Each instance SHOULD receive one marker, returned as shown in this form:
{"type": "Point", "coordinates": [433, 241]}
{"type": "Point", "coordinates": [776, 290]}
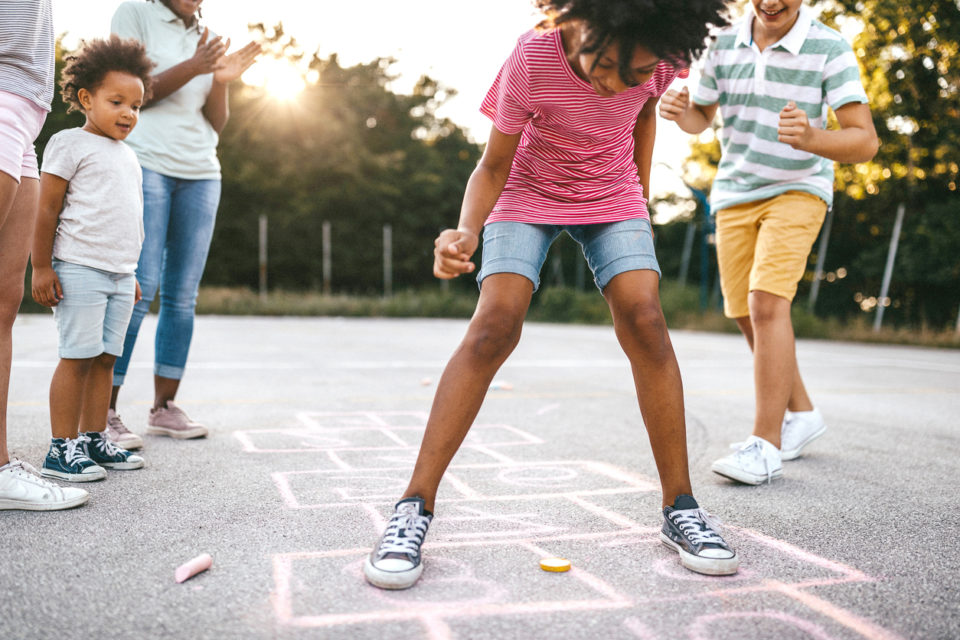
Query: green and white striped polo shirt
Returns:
{"type": "Point", "coordinates": [812, 65]}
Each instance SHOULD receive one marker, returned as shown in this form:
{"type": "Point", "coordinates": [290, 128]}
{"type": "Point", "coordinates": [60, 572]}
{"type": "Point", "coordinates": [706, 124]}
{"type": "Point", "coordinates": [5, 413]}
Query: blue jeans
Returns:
{"type": "Point", "coordinates": [178, 219]}
{"type": "Point", "coordinates": [610, 248]}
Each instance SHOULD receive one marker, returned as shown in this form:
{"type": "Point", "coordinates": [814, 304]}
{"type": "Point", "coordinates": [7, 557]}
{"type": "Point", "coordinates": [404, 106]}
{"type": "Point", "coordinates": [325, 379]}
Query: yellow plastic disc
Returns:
{"type": "Point", "coordinates": [555, 564]}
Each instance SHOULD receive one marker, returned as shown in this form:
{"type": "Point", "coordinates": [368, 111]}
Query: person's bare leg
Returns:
{"type": "Point", "coordinates": [634, 301]}
{"type": "Point", "coordinates": [164, 390]}
{"type": "Point", "coordinates": [774, 362]}
{"type": "Point", "coordinates": [799, 399]}
{"type": "Point", "coordinates": [18, 207]}
{"type": "Point", "coordinates": [96, 394]}
{"type": "Point", "coordinates": [66, 396]}
{"type": "Point", "coordinates": [492, 335]}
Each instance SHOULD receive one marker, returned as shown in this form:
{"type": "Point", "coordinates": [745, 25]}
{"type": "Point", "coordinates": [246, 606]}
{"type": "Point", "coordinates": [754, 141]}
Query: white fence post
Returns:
{"type": "Point", "coordinates": [883, 301]}
{"type": "Point", "coordinates": [387, 260]}
{"type": "Point", "coordinates": [263, 257]}
{"type": "Point", "coordinates": [325, 257]}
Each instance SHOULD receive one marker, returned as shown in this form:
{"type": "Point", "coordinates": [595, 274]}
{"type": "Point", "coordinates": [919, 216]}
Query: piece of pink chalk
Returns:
{"type": "Point", "coordinates": [193, 567]}
{"type": "Point", "coordinates": [684, 73]}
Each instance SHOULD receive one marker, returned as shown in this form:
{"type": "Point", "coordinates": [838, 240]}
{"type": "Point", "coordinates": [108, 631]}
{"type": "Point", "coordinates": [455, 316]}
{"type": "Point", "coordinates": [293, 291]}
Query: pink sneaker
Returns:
{"type": "Point", "coordinates": [174, 422]}
{"type": "Point", "coordinates": [119, 434]}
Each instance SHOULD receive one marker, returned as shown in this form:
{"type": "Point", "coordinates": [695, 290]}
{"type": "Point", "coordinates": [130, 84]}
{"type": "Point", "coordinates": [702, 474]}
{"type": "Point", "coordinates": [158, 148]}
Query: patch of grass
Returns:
{"type": "Point", "coordinates": [681, 307]}
{"type": "Point", "coordinates": [406, 304]}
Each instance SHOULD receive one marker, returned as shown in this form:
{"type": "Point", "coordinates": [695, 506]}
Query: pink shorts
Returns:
{"type": "Point", "coordinates": [20, 124]}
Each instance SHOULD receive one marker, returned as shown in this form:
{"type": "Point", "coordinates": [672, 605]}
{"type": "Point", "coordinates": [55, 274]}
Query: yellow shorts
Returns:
{"type": "Point", "coordinates": [764, 245]}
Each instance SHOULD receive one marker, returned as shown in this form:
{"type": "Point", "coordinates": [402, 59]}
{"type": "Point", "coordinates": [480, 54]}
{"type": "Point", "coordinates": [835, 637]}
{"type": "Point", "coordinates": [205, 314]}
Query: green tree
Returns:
{"type": "Point", "coordinates": [349, 151]}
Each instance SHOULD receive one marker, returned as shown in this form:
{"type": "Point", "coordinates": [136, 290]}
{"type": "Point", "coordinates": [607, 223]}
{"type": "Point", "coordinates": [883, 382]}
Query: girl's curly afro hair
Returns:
{"type": "Point", "coordinates": [673, 30]}
{"type": "Point", "coordinates": [88, 66]}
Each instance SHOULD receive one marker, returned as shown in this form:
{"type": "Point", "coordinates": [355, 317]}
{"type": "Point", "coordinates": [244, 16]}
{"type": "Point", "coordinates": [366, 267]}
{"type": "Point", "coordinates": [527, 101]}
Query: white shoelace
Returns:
{"type": "Point", "coordinates": [105, 446]}
{"type": "Point", "coordinates": [27, 470]}
{"type": "Point", "coordinates": [76, 450]}
{"type": "Point", "coordinates": [755, 449]}
{"type": "Point", "coordinates": [698, 526]}
{"type": "Point", "coordinates": [404, 534]}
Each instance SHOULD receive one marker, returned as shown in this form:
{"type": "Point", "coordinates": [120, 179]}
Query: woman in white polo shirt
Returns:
{"type": "Point", "coordinates": [176, 144]}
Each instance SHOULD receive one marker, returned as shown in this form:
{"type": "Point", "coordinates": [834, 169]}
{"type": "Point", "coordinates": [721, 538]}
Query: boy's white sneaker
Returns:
{"type": "Point", "coordinates": [21, 487]}
{"type": "Point", "coordinates": [755, 462]}
{"type": "Point", "coordinates": [800, 428]}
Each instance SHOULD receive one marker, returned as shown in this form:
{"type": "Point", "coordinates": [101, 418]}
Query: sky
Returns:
{"type": "Point", "coordinates": [461, 44]}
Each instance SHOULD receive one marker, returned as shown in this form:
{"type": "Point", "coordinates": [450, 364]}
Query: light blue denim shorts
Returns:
{"type": "Point", "coordinates": [610, 248]}
{"type": "Point", "coordinates": [93, 315]}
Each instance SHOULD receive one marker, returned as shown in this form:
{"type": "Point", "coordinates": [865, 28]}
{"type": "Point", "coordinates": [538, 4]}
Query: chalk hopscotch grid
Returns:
{"type": "Point", "coordinates": [434, 616]}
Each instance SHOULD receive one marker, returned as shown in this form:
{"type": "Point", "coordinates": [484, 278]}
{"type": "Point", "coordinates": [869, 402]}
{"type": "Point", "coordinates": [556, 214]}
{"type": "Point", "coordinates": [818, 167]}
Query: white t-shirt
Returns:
{"type": "Point", "coordinates": [101, 224]}
{"type": "Point", "coordinates": [173, 136]}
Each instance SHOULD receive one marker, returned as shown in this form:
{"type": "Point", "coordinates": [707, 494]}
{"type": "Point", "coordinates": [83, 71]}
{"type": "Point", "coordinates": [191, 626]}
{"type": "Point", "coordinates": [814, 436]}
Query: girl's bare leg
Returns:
{"type": "Point", "coordinates": [634, 301]}
{"type": "Point", "coordinates": [492, 335]}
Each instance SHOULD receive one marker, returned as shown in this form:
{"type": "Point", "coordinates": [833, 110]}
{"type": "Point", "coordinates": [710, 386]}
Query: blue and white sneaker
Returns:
{"type": "Point", "coordinates": [68, 460]}
{"type": "Point", "coordinates": [692, 532]}
{"type": "Point", "coordinates": [395, 562]}
{"type": "Point", "coordinates": [102, 451]}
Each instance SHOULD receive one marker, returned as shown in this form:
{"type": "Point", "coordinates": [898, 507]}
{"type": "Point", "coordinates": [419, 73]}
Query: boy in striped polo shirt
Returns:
{"type": "Point", "coordinates": [773, 76]}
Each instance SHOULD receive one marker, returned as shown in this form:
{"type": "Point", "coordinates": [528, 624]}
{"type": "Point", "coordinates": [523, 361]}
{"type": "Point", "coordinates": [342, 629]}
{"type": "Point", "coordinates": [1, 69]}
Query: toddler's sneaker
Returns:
{"type": "Point", "coordinates": [755, 462]}
{"type": "Point", "coordinates": [395, 562]}
{"type": "Point", "coordinates": [68, 460]}
{"type": "Point", "coordinates": [174, 422]}
{"type": "Point", "coordinates": [21, 487]}
{"type": "Point", "coordinates": [692, 532]}
{"type": "Point", "coordinates": [108, 455]}
{"type": "Point", "coordinates": [119, 434]}
{"type": "Point", "coordinates": [800, 428]}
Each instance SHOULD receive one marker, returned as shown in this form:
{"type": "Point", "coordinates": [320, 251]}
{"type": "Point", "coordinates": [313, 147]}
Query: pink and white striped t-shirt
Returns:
{"type": "Point", "coordinates": [574, 164]}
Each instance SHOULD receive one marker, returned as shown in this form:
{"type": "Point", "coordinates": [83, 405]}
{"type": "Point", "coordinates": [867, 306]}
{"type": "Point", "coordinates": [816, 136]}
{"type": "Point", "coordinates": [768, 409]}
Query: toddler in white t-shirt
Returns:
{"type": "Point", "coordinates": [85, 251]}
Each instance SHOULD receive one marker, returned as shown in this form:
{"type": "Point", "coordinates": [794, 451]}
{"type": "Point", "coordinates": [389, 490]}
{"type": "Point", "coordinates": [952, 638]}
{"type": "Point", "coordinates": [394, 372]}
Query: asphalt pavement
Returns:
{"type": "Point", "coordinates": [314, 428]}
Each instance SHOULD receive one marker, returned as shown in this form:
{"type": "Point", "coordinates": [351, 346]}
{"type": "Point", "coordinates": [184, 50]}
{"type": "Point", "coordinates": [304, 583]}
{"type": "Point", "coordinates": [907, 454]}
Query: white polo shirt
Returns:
{"type": "Point", "coordinates": [173, 137]}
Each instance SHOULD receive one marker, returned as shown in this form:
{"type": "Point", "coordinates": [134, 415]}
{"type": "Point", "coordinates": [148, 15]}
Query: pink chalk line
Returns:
{"type": "Point", "coordinates": [852, 621]}
{"type": "Point", "coordinates": [806, 556]}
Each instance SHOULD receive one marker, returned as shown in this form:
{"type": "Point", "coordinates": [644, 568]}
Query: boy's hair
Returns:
{"type": "Point", "coordinates": [673, 30]}
{"type": "Point", "coordinates": [87, 67]}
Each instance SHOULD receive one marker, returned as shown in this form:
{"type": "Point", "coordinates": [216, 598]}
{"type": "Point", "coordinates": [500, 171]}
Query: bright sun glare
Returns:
{"type": "Point", "coordinates": [279, 78]}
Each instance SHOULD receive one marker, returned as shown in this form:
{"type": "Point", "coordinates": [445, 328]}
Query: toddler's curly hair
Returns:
{"type": "Point", "coordinates": [86, 67]}
{"type": "Point", "coordinates": [673, 30]}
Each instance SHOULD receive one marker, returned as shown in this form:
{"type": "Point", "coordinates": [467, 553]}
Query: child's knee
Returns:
{"type": "Point", "coordinates": [493, 335]}
{"type": "Point", "coordinates": [105, 360]}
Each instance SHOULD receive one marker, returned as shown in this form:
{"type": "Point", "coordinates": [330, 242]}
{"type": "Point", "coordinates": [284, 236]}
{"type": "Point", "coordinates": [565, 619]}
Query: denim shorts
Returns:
{"type": "Point", "coordinates": [93, 315]}
{"type": "Point", "coordinates": [610, 248]}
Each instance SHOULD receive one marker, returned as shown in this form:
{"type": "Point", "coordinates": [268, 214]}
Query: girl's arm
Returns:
{"type": "Point", "coordinates": [855, 141]}
{"type": "Point", "coordinates": [453, 247]}
{"type": "Point", "coordinates": [44, 285]}
{"type": "Point", "coordinates": [217, 107]}
{"type": "Point", "coordinates": [644, 135]}
{"type": "Point", "coordinates": [206, 59]}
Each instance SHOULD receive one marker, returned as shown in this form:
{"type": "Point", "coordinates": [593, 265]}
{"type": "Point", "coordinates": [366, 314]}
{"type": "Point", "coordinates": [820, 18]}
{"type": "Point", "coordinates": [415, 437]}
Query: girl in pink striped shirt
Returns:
{"type": "Point", "coordinates": [573, 112]}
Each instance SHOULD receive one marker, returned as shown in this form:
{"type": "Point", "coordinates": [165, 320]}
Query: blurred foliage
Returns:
{"type": "Point", "coordinates": [908, 52]}
{"type": "Point", "coordinates": [347, 150]}
{"type": "Point", "coordinates": [351, 151]}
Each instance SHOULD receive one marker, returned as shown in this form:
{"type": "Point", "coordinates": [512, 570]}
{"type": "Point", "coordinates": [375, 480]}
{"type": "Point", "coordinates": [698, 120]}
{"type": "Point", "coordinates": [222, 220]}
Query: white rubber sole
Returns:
{"type": "Point", "coordinates": [179, 434]}
{"type": "Point", "coordinates": [122, 466]}
{"type": "Point", "coordinates": [706, 566]}
{"type": "Point", "coordinates": [792, 454]}
{"type": "Point", "coordinates": [738, 474]}
{"type": "Point", "coordinates": [129, 445]}
{"type": "Point", "coordinates": [391, 579]}
{"type": "Point", "coordinates": [44, 506]}
{"type": "Point", "coordinates": [74, 477]}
